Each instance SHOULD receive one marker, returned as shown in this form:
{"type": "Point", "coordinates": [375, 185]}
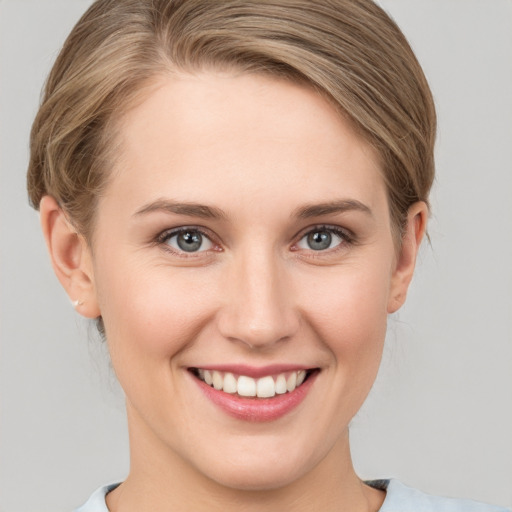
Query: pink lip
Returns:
{"type": "Point", "coordinates": [257, 409]}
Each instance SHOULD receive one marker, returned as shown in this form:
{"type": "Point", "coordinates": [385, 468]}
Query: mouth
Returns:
{"type": "Point", "coordinates": [255, 394]}
{"type": "Point", "coordinates": [266, 386]}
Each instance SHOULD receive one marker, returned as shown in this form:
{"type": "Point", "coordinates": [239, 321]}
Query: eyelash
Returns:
{"type": "Point", "coordinates": [346, 236]}
{"type": "Point", "coordinates": [347, 239]}
{"type": "Point", "coordinates": [166, 235]}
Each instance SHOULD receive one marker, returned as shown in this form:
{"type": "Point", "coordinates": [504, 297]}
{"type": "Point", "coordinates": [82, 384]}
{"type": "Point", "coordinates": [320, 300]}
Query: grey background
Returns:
{"type": "Point", "coordinates": [440, 415]}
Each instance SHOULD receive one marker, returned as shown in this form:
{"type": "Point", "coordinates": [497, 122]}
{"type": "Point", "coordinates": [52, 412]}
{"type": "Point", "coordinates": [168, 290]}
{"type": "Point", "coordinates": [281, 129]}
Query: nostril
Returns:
{"type": "Point", "coordinates": [261, 342]}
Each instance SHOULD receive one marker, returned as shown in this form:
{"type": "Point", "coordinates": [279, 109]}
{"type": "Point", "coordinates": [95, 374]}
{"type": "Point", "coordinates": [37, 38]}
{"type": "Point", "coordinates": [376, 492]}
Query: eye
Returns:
{"type": "Point", "coordinates": [187, 240]}
{"type": "Point", "coordinates": [322, 239]}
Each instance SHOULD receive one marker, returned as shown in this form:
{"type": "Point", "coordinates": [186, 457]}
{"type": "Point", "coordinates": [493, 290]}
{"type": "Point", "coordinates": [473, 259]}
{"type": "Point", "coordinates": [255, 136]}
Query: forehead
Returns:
{"type": "Point", "coordinates": [239, 138]}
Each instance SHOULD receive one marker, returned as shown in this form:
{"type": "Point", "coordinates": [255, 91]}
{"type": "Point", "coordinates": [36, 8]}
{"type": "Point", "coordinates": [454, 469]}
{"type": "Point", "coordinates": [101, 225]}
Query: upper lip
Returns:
{"type": "Point", "coordinates": [254, 371]}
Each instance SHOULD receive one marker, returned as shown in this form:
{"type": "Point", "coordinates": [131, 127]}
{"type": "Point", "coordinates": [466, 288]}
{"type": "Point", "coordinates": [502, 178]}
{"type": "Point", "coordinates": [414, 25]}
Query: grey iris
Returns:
{"type": "Point", "coordinates": [189, 241]}
{"type": "Point", "coordinates": [319, 240]}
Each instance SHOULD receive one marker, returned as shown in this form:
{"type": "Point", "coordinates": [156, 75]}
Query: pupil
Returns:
{"type": "Point", "coordinates": [319, 240]}
{"type": "Point", "coordinates": [190, 241]}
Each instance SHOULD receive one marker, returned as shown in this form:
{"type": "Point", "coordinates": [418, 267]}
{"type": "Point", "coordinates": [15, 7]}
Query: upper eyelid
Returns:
{"type": "Point", "coordinates": [166, 234]}
{"type": "Point", "coordinates": [348, 241]}
{"type": "Point", "coordinates": [170, 232]}
{"type": "Point", "coordinates": [161, 241]}
{"type": "Point", "coordinates": [347, 233]}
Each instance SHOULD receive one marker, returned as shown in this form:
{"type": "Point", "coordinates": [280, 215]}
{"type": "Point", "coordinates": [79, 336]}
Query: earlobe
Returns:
{"type": "Point", "coordinates": [406, 258]}
{"type": "Point", "coordinates": [70, 257]}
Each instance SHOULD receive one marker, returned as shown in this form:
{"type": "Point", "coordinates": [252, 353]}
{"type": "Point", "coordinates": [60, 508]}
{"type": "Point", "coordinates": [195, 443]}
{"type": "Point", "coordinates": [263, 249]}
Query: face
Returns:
{"type": "Point", "coordinates": [244, 239]}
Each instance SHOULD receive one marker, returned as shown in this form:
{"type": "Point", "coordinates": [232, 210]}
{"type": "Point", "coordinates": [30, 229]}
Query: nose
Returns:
{"type": "Point", "coordinates": [258, 310]}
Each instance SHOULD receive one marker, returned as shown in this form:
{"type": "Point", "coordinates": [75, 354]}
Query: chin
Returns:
{"type": "Point", "coordinates": [259, 469]}
{"type": "Point", "coordinates": [257, 478]}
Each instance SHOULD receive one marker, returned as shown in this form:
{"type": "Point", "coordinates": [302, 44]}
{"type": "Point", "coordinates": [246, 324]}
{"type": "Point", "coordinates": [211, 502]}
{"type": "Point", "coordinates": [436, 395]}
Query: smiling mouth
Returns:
{"type": "Point", "coordinates": [264, 387]}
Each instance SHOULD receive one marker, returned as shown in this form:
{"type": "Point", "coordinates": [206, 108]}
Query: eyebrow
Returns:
{"type": "Point", "coordinates": [211, 212]}
{"type": "Point", "coordinates": [192, 209]}
{"type": "Point", "coordinates": [331, 207]}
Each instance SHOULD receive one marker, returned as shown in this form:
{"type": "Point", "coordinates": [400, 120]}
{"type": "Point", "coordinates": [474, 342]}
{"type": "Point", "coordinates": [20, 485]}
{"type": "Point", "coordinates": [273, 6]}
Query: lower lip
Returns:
{"type": "Point", "coordinates": [257, 409]}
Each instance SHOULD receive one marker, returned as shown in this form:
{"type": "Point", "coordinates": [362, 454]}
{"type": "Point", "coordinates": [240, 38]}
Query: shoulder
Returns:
{"type": "Point", "coordinates": [400, 498]}
{"type": "Point", "coordinates": [97, 503]}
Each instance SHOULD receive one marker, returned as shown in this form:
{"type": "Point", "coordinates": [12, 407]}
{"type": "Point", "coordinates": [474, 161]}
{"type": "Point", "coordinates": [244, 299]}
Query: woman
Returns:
{"type": "Point", "coordinates": [237, 193]}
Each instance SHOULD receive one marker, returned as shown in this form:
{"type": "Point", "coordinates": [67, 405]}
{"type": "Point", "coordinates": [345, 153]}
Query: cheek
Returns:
{"type": "Point", "coordinates": [348, 312]}
{"type": "Point", "coordinates": [349, 307]}
{"type": "Point", "coordinates": [150, 313]}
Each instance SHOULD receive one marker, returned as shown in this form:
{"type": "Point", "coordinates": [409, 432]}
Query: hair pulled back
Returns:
{"type": "Point", "coordinates": [348, 50]}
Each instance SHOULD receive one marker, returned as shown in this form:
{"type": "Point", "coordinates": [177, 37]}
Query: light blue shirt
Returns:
{"type": "Point", "coordinates": [399, 498]}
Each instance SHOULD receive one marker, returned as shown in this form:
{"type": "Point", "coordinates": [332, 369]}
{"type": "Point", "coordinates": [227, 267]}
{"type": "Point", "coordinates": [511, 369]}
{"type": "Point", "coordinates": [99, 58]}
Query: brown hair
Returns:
{"type": "Point", "coordinates": [349, 50]}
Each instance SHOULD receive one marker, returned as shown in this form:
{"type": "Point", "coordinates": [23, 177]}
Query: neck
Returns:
{"type": "Point", "coordinates": [161, 480]}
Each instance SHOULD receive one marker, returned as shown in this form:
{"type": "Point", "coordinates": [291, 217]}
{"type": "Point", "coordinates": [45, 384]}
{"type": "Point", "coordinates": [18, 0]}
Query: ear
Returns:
{"type": "Point", "coordinates": [70, 256]}
{"type": "Point", "coordinates": [406, 258]}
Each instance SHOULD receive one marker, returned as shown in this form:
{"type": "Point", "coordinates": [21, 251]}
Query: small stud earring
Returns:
{"type": "Point", "coordinates": [76, 303]}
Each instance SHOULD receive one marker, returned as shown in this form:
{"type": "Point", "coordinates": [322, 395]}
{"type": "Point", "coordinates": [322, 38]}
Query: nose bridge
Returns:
{"type": "Point", "coordinates": [259, 310]}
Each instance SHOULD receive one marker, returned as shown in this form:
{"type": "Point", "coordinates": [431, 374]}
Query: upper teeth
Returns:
{"type": "Point", "coordinates": [264, 387]}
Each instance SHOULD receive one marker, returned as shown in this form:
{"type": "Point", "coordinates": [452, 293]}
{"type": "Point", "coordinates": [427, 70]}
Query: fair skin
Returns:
{"type": "Point", "coordinates": [250, 167]}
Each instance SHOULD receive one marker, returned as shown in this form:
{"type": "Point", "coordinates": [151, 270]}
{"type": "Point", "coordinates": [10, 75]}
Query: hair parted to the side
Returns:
{"type": "Point", "coordinates": [349, 50]}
